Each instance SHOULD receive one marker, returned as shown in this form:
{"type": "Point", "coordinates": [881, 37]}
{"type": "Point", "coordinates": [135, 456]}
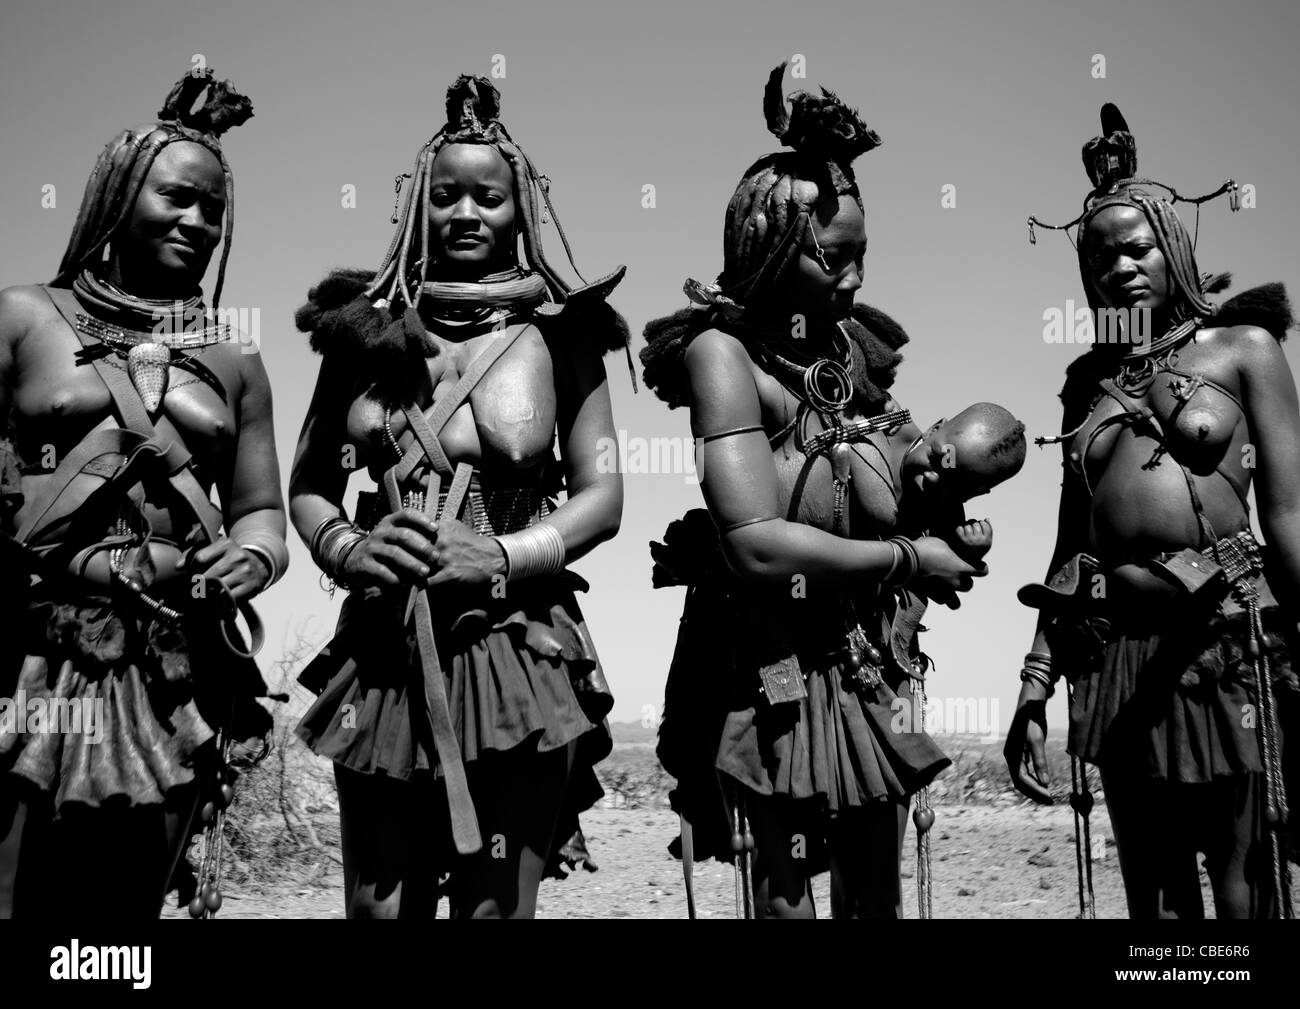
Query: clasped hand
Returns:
{"type": "Point", "coordinates": [409, 548]}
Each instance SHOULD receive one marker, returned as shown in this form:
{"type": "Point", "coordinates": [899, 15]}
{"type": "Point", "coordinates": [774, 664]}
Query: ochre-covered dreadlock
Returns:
{"type": "Point", "coordinates": [473, 105]}
{"type": "Point", "coordinates": [1111, 163]}
{"type": "Point", "coordinates": [372, 318]}
{"type": "Point", "coordinates": [770, 211]}
{"type": "Point", "coordinates": [124, 164]}
{"type": "Point", "coordinates": [766, 225]}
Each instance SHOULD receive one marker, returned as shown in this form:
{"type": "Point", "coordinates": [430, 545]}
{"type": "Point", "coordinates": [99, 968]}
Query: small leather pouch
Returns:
{"type": "Point", "coordinates": [1070, 586]}
{"type": "Point", "coordinates": [1199, 575]}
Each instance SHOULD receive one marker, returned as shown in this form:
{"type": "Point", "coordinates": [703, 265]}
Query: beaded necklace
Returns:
{"type": "Point", "coordinates": [152, 336]}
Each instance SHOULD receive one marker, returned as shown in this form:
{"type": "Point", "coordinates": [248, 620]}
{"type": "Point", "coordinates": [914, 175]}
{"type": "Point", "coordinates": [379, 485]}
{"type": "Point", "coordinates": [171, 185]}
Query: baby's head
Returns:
{"type": "Point", "coordinates": [965, 456]}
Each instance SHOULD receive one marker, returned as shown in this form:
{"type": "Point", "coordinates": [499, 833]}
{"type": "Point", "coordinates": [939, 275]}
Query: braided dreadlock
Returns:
{"type": "Point", "coordinates": [770, 211]}
{"type": "Point", "coordinates": [124, 164]}
{"type": "Point", "coordinates": [1111, 163]}
{"type": "Point", "coordinates": [473, 105]}
{"type": "Point", "coordinates": [371, 317]}
{"type": "Point", "coordinates": [766, 224]}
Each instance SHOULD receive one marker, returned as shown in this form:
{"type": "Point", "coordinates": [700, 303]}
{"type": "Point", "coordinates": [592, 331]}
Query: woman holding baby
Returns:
{"type": "Point", "coordinates": [798, 642]}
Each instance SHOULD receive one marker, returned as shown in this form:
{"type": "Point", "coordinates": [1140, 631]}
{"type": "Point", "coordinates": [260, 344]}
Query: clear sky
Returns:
{"type": "Point", "coordinates": [994, 99]}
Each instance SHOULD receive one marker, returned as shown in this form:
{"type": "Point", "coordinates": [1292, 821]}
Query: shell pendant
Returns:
{"type": "Point", "coordinates": [147, 364]}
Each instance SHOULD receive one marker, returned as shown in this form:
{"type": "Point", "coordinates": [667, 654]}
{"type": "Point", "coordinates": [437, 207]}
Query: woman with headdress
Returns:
{"type": "Point", "coordinates": [125, 405]}
{"type": "Point", "coordinates": [462, 701]}
{"type": "Point", "coordinates": [1158, 611]}
{"type": "Point", "coordinates": [788, 672]}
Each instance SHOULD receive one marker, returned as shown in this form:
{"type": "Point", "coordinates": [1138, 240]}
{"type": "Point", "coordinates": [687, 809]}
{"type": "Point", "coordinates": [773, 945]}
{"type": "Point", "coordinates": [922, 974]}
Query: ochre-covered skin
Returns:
{"type": "Point", "coordinates": [507, 426]}
{"type": "Point", "coordinates": [1226, 403]}
{"type": "Point", "coordinates": [1139, 509]}
{"type": "Point", "coordinates": [132, 798]}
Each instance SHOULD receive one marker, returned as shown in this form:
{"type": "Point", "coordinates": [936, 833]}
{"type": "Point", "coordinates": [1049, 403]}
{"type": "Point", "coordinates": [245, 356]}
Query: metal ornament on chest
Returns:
{"type": "Point", "coordinates": [149, 355]}
{"type": "Point", "coordinates": [148, 365]}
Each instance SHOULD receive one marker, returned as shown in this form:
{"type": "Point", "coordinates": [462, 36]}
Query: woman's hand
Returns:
{"type": "Point", "coordinates": [1025, 750]}
{"type": "Point", "coordinates": [941, 574]}
{"type": "Point", "coordinates": [242, 572]}
{"type": "Point", "coordinates": [465, 557]}
{"type": "Point", "coordinates": [398, 551]}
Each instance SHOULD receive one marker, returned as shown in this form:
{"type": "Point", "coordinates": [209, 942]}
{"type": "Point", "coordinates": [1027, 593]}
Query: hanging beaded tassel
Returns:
{"type": "Point", "coordinates": [207, 900]}
{"type": "Point", "coordinates": [1275, 804]}
{"type": "Point", "coordinates": [1081, 803]}
{"type": "Point", "coordinates": [923, 817]}
{"type": "Point", "coordinates": [742, 846]}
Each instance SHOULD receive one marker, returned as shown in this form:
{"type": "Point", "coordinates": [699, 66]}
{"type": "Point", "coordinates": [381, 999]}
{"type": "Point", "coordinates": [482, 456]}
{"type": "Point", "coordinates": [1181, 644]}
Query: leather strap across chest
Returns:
{"type": "Point", "coordinates": [426, 428]}
{"type": "Point", "coordinates": [177, 460]}
{"type": "Point", "coordinates": [1141, 415]}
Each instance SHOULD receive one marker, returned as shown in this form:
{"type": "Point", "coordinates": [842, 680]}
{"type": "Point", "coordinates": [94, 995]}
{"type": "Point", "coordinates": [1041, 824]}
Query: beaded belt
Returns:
{"type": "Point", "coordinates": [1238, 555]}
{"type": "Point", "coordinates": [490, 512]}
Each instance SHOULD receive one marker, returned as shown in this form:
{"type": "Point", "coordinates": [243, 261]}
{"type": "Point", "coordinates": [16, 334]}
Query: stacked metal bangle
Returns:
{"type": "Point", "coordinates": [1038, 668]}
{"type": "Point", "coordinates": [906, 562]}
{"type": "Point", "coordinates": [537, 550]}
{"type": "Point", "coordinates": [331, 543]}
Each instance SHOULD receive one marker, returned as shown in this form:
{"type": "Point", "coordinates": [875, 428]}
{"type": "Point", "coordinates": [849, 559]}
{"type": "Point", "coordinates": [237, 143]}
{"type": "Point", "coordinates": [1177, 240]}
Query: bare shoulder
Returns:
{"type": "Point", "coordinates": [22, 308]}
{"type": "Point", "coordinates": [1255, 351]}
{"type": "Point", "coordinates": [714, 351]}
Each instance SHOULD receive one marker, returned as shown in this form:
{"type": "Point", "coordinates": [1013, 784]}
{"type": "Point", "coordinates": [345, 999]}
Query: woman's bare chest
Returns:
{"type": "Point", "coordinates": [501, 416]}
{"type": "Point", "coordinates": [851, 485]}
{"type": "Point", "coordinates": [1188, 410]}
{"type": "Point", "coordinates": [57, 400]}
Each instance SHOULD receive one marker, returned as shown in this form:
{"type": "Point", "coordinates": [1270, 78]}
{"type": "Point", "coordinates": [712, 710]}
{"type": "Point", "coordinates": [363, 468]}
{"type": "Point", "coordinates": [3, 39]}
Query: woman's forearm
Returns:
{"type": "Point", "coordinates": [589, 517]}
{"type": "Point", "coordinates": [262, 533]}
{"type": "Point", "coordinates": [777, 551]}
{"type": "Point", "coordinates": [308, 510]}
{"type": "Point", "coordinates": [1281, 529]}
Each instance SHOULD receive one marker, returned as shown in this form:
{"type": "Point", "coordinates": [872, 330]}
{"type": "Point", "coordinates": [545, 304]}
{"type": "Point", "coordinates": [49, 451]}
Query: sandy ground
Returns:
{"type": "Point", "coordinates": [990, 861]}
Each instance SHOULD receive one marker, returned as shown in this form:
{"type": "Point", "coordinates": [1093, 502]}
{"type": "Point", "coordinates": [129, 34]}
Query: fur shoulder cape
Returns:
{"type": "Point", "coordinates": [342, 322]}
{"type": "Point", "coordinates": [876, 354]}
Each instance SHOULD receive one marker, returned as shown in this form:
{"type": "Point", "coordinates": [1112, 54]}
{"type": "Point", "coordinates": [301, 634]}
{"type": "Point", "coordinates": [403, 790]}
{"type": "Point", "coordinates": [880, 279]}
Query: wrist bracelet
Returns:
{"type": "Point", "coordinates": [1038, 668]}
{"type": "Point", "coordinates": [537, 550]}
{"type": "Point", "coordinates": [332, 543]}
{"type": "Point", "coordinates": [898, 556]}
{"type": "Point", "coordinates": [268, 548]}
{"type": "Point", "coordinates": [264, 558]}
{"type": "Point", "coordinates": [1038, 676]}
{"type": "Point", "coordinates": [909, 561]}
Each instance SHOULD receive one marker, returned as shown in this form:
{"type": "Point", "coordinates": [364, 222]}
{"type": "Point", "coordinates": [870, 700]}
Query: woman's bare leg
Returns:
{"type": "Point", "coordinates": [1238, 856]}
{"type": "Point", "coordinates": [24, 827]}
{"type": "Point", "coordinates": [517, 799]}
{"type": "Point", "coordinates": [782, 884]}
{"type": "Point", "coordinates": [866, 861]}
{"type": "Point", "coordinates": [390, 864]}
{"type": "Point", "coordinates": [1157, 852]}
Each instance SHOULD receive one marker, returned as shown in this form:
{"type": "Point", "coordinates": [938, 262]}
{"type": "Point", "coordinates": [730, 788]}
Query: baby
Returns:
{"type": "Point", "coordinates": [956, 460]}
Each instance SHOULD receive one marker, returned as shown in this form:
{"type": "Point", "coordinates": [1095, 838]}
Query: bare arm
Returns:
{"type": "Point", "coordinates": [255, 501]}
{"type": "Point", "coordinates": [1025, 751]}
{"type": "Point", "coordinates": [739, 479]}
{"type": "Point", "coordinates": [17, 315]}
{"type": "Point", "coordinates": [1273, 420]}
{"type": "Point", "coordinates": [399, 550]}
{"type": "Point", "coordinates": [594, 506]}
{"type": "Point", "coordinates": [318, 478]}
{"type": "Point", "coordinates": [252, 505]}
